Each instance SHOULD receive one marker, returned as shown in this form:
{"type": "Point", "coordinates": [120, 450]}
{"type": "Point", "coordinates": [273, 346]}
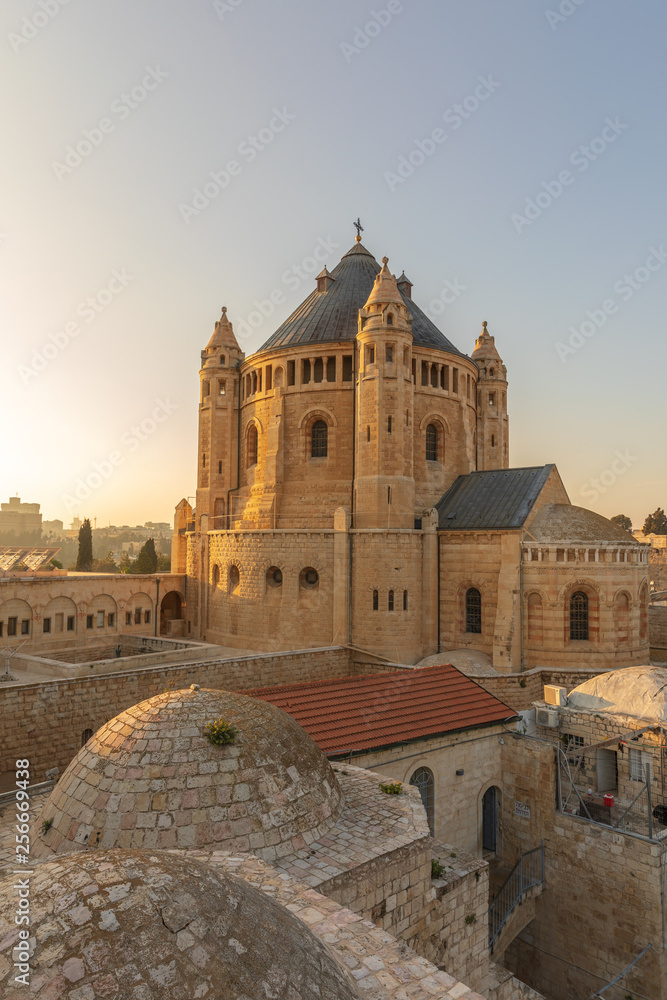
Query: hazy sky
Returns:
{"type": "Point", "coordinates": [539, 197]}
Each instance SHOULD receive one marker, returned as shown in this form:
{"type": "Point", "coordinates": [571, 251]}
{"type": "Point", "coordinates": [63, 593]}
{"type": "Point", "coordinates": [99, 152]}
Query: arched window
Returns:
{"type": "Point", "coordinates": [473, 610]}
{"type": "Point", "coordinates": [234, 580]}
{"type": "Point", "coordinates": [579, 616]}
{"type": "Point", "coordinates": [252, 446]}
{"type": "Point", "coordinates": [622, 618]}
{"type": "Point", "coordinates": [643, 613]}
{"type": "Point", "coordinates": [423, 780]}
{"type": "Point", "coordinates": [85, 736]}
{"type": "Point", "coordinates": [376, 600]}
{"type": "Point", "coordinates": [390, 601]}
{"type": "Point", "coordinates": [431, 443]}
{"type": "Point", "coordinates": [319, 439]}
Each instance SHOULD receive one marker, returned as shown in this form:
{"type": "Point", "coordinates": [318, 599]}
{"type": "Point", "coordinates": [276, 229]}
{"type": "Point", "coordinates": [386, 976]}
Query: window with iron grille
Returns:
{"type": "Point", "coordinates": [319, 439]}
{"type": "Point", "coordinates": [431, 443]}
{"type": "Point", "coordinates": [638, 761]}
{"type": "Point", "coordinates": [579, 616]}
{"type": "Point", "coordinates": [473, 610]}
{"type": "Point", "coordinates": [423, 780]}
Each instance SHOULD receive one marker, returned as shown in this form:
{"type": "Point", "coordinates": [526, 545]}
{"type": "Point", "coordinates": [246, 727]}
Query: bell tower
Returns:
{"type": "Point", "coordinates": [384, 485]}
{"type": "Point", "coordinates": [217, 457]}
{"type": "Point", "coordinates": [492, 419]}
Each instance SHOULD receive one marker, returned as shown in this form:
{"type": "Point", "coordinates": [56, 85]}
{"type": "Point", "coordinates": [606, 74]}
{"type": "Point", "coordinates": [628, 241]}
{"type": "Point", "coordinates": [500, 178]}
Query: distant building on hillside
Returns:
{"type": "Point", "coordinates": [20, 517]}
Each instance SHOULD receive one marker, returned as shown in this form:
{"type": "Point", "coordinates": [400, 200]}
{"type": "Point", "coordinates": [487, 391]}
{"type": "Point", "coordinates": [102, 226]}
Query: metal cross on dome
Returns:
{"type": "Point", "coordinates": [358, 226]}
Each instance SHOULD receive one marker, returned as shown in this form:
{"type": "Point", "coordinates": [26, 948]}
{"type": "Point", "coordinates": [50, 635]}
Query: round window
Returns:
{"type": "Point", "coordinates": [309, 577]}
{"type": "Point", "coordinates": [274, 577]}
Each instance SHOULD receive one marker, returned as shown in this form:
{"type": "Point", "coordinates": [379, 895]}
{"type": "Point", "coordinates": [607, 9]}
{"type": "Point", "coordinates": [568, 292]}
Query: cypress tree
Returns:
{"type": "Point", "coordinates": [84, 560]}
{"type": "Point", "coordinates": [146, 561]}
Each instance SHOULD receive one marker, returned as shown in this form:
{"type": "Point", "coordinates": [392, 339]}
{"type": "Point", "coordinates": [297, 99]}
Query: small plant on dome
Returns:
{"type": "Point", "coordinates": [392, 788]}
{"type": "Point", "coordinates": [46, 825]}
{"type": "Point", "coordinates": [219, 733]}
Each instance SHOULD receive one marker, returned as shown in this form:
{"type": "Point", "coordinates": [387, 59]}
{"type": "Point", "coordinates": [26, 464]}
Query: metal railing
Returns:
{"type": "Point", "coordinates": [527, 872]}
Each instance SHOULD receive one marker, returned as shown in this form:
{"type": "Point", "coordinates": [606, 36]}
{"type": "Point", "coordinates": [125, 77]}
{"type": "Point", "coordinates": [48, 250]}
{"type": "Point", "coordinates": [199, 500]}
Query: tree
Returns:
{"type": "Point", "coordinates": [146, 561]}
{"type": "Point", "coordinates": [56, 564]}
{"type": "Point", "coordinates": [656, 523]}
{"type": "Point", "coordinates": [163, 563]}
{"type": "Point", "coordinates": [106, 565]}
{"type": "Point", "coordinates": [84, 560]}
{"type": "Point", "coordinates": [622, 520]}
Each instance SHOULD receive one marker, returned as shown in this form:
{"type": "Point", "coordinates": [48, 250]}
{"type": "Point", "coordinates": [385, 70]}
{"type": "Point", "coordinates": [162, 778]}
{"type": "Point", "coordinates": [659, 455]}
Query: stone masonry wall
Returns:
{"type": "Point", "coordinates": [44, 722]}
{"type": "Point", "coordinates": [657, 630]}
{"type": "Point", "coordinates": [462, 894]}
{"type": "Point", "coordinates": [601, 903]}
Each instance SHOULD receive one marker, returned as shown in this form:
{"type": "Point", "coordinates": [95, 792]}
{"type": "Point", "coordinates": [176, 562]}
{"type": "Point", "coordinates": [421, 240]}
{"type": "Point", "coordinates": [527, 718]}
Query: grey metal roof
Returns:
{"type": "Point", "coordinates": [502, 498]}
{"type": "Point", "coordinates": [332, 315]}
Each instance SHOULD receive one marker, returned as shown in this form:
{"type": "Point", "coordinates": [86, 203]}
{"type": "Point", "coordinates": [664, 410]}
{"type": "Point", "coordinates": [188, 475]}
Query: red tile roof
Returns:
{"type": "Point", "coordinates": [360, 713]}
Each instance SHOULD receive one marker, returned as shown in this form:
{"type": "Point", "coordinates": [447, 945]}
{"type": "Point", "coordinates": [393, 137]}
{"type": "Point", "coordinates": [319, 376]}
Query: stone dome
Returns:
{"type": "Point", "coordinates": [637, 691]}
{"type": "Point", "coordinates": [562, 522]}
{"type": "Point", "coordinates": [142, 926]}
{"type": "Point", "coordinates": [150, 779]}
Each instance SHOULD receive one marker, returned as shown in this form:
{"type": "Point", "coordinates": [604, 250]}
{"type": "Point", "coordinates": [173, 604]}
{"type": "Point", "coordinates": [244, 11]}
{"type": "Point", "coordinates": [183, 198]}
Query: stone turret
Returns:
{"type": "Point", "coordinates": [492, 419]}
{"type": "Point", "coordinates": [217, 460]}
{"type": "Point", "coordinates": [384, 483]}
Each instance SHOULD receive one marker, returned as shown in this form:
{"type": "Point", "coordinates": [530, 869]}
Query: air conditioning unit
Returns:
{"type": "Point", "coordinates": [554, 695]}
{"type": "Point", "coordinates": [546, 717]}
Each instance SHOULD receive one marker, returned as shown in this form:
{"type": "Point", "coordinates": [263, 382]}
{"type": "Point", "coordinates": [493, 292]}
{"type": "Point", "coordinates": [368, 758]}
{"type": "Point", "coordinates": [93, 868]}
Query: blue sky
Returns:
{"type": "Point", "coordinates": [542, 199]}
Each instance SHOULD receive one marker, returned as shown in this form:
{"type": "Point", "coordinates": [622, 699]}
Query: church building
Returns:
{"type": "Point", "coordinates": [353, 487]}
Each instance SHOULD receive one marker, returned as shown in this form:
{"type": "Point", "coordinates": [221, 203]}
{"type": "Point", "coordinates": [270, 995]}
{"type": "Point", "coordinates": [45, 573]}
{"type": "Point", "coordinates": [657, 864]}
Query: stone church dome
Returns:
{"type": "Point", "coordinates": [561, 522]}
{"type": "Point", "coordinates": [150, 779]}
{"type": "Point", "coordinates": [332, 315]}
{"type": "Point", "coordinates": [144, 926]}
{"type": "Point", "coordinates": [636, 691]}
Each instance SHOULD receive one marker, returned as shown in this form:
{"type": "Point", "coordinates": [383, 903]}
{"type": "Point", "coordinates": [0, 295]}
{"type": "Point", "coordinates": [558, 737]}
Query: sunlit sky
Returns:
{"type": "Point", "coordinates": [114, 113]}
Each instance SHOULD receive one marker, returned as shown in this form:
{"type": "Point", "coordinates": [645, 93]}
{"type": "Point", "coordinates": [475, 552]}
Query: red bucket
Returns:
{"type": "Point", "coordinates": [608, 800]}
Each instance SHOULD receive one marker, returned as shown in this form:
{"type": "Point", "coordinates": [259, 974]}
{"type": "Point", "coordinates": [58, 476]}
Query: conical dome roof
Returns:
{"type": "Point", "coordinates": [325, 317]}
{"type": "Point", "coordinates": [150, 779]}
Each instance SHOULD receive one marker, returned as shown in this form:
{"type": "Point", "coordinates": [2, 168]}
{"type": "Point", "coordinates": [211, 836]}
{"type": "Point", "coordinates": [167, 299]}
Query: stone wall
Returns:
{"type": "Point", "coordinates": [457, 799]}
{"type": "Point", "coordinates": [520, 690]}
{"type": "Point", "coordinates": [33, 600]}
{"type": "Point", "coordinates": [657, 630]}
{"type": "Point", "coordinates": [601, 904]}
{"type": "Point", "coordinates": [462, 895]}
{"type": "Point", "coordinates": [44, 722]}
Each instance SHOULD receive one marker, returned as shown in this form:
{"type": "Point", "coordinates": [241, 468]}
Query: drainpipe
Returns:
{"type": "Point", "coordinates": [236, 488]}
{"type": "Point", "coordinates": [438, 571]}
{"type": "Point", "coordinates": [521, 594]}
{"type": "Point", "coordinates": [157, 603]}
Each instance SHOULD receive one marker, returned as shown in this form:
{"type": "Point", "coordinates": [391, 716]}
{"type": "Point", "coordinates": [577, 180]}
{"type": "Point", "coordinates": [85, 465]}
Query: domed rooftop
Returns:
{"type": "Point", "coordinates": [561, 522]}
{"type": "Point", "coordinates": [637, 691]}
{"type": "Point", "coordinates": [140, 926]}
{"type": "Point", "coordinates": [149, 778]}
{"type": "Point", "coordinates": [332, 315]}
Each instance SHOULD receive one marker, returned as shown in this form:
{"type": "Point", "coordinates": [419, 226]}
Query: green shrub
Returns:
{"type": "Point", "coordinates": [220, 732]}
{"type": "Point", "coordinates": [46, 825]}
{"type": "Point", "coordinates": [471, 918]}
{"type": "Point", "coordinates": [522, 682]}
{"type": "Point", "coordinates": [392, 788]}
{"type": "Point", "coordinates": [437, 870]}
